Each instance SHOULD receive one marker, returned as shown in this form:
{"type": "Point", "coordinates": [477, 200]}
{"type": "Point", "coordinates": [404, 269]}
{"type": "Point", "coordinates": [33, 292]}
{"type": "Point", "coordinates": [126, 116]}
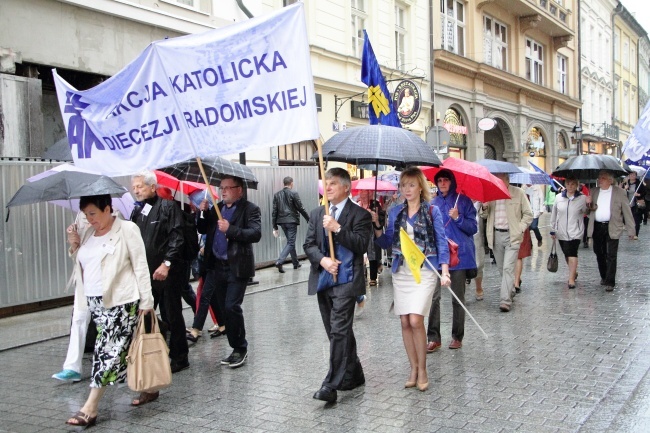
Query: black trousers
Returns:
{"type": "Point", "coordinates": [229, 291]}
{"type": "Point", "coordinates": [606, 250]}
{"type": "Point", "coordinates": [208, 299]}
{"type": "Point", "coordinates": [167, 295]}
{"type": "Point", "coordinates": [337, 313]}
{"type": "Point", "coordinates": [458, 313]}
{"type": "Point", "coordinates": [638, 217]}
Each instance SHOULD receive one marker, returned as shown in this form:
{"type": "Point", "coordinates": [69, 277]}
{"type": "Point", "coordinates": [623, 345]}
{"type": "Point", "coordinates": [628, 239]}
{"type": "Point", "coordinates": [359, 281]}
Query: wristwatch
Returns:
{"type": "Point", "coordinates": [336, 232]}
{"type": "Point", "coordinates": [167, 263]}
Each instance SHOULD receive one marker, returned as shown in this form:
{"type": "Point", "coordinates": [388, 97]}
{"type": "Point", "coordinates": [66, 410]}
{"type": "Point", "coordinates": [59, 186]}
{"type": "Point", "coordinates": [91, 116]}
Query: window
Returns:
{"type": "Point", "coordinates": [495, 43]}
{"type": "Point", "coordinates": [187, 2]}
{"type": "Point", "coordinates": [626, 103]}
{"type": "Point", "coordinates": [534, 62]}
{"type": "Point", "coordinates": [288, 2]}
{"type": "Point", "coordinates": [358, 23]}
{"type": "Point", "coordinates": [593, 115]}
{"type": "Point", "coordinates": [561, 73]}
{"type": "Point", "coordinates": [452, 14]}
{"type": "Point", "coordinates": [617, 99]}
{"type": "Point", "coordinates": [633, 59]}
{"type": "Point", "coordinates": [626, 52]}
{"type": "Point", "coordinates": [400, 36]}
{"type": "Point", "coordinates": [617, 49]}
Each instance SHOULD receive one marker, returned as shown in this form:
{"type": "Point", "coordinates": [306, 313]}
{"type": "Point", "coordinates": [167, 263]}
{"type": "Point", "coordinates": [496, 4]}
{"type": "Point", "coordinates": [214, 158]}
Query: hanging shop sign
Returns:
{"type": "Point", "coordinates": [406, 100]}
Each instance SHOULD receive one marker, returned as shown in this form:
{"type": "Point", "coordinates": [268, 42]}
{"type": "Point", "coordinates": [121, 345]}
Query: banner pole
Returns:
{"type": "Point", "coordinates": [321, 164]}
{"type": "Point", "coordinates": [209, 187]}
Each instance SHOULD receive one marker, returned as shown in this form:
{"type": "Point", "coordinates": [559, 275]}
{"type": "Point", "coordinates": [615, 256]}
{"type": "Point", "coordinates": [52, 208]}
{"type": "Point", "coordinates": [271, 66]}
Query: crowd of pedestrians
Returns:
{"type": "Point", "coordinates": [125, 268]}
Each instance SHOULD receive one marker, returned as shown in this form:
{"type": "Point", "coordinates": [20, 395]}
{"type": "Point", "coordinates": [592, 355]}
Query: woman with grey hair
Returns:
{"type": "Point", "coordinates": [567, 224]}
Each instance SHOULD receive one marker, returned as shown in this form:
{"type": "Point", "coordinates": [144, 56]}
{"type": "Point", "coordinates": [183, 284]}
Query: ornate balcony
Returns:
{"type": "Point", "coordinates": [546, 15]}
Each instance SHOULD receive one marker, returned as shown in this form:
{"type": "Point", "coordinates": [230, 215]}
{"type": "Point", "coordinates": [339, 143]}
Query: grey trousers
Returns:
{"type": "Point", "coordinates": [458, 313]}
{"type": "Point", "coordinates": [506, 257]}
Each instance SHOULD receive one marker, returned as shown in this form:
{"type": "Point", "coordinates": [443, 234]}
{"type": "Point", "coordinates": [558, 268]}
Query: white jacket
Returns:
{"type": "Point", "coordinates": [567, 220]}
{"type": "Point", "coordinates": [125, 273]}
{"type": "Point", "coordinates": [536, 200]}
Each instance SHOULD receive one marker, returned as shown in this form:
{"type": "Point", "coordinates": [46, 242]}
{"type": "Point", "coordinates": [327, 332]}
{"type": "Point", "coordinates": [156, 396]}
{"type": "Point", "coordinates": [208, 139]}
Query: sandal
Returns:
{"type": "Point", "coordinates": [145, 397]}
{"type": "Point", "coordinates": [82, 420]}
{"type": "Point", "coordinates": [373, 282]}
{"type": "Point", "coordinates": [218, 333]}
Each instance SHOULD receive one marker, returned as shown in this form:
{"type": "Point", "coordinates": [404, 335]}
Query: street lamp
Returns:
{"type": "Point", "coordinates": [577, 130]}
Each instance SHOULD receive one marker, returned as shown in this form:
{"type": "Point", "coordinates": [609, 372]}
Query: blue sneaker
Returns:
{"type": "Point", "coordinates": [67, 376]}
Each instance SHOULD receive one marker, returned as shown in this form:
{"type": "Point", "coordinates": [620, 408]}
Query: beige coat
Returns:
{"type": "Point", "coordinates": [621, 215]}
{"type": "Point", "coordinates": [519, 216]}
{"type": "Point", "coordinates": [125, 274]}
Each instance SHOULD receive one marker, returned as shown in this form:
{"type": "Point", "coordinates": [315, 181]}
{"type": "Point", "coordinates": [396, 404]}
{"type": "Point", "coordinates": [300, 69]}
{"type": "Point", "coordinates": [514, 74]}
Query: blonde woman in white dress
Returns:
{"type": "Point", "coordinates": [423, 223]}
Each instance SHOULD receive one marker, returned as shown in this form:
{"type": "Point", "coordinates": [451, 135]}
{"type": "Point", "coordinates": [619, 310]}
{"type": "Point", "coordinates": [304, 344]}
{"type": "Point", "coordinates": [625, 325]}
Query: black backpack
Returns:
{"type": "Point", "coordinates": [190, 238]}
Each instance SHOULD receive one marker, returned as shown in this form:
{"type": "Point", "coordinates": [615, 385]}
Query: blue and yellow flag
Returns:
{"type": "Point", "coordinates": [413, 257]}
{"type": "Point", "coordinates": [380, 105]}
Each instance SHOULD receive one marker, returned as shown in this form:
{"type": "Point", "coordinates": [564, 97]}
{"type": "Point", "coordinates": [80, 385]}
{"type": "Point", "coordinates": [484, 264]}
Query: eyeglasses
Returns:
{"type": "Point", "coordinates": [226, 188]}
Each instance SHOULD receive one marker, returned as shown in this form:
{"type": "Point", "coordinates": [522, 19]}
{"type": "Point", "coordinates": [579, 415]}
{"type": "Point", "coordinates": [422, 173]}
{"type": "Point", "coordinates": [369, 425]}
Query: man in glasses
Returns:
{"type": "Point", "coordinates": [229, 261]}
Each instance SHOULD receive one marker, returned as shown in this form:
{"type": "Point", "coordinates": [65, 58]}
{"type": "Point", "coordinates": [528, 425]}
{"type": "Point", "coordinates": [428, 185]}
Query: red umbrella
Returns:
{"type": "Point", "coordinates": [373, 184]}
{"type": "Point", "coordinates": [186, 187]}
{"type": "Point", "coordinates": [472, 179]}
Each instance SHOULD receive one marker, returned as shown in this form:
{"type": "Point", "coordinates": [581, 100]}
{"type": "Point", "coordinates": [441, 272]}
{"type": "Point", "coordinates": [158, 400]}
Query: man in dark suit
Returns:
{"type": "Point", "coordinates": [351, 227]}
{"type": "Point", "coordinates": [229, 260]}
{"type": "Point", "coordinates": [286, 205]}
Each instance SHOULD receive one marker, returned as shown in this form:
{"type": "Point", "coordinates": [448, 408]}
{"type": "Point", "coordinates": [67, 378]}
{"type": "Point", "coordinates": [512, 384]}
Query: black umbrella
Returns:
{"type": "Point", "coordinates": [59, 151]}
{"type": "Point", "coordinates": [379, 144]}
{"type": "Point", "coordinates": [588, 166]}
{"type": "Point", "coordinates": [65, 185]}
{"type": "Point", "coordinates": [215, 169]}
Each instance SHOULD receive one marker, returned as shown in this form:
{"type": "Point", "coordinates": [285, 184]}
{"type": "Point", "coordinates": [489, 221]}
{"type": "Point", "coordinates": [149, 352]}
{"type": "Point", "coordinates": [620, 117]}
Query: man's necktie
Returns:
{"type": "Point", "coordinates": [333, 212]}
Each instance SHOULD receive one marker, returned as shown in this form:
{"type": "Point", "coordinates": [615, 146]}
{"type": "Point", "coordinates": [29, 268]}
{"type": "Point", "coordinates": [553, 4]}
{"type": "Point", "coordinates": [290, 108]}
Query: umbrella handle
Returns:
{"type": "Point", "coordinates": [207, 186]}
{"type": "Point", "coordinates": [319, 145]}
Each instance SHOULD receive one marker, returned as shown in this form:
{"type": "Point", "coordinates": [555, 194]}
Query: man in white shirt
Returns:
{"type": "Point", "coordinates": [609, 218]}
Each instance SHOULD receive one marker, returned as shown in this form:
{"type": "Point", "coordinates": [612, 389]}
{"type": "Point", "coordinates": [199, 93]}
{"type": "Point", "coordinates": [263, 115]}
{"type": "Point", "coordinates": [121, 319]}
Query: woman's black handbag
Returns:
{"type": "Point", "coordinates": [551, 265]}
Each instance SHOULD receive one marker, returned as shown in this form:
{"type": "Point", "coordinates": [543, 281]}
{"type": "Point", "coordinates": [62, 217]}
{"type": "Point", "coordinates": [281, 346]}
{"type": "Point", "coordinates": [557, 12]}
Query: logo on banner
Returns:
{"type": "Point", "coordinates": [406, 98]}
{"type": "Point", "coordinates": [79, 134]}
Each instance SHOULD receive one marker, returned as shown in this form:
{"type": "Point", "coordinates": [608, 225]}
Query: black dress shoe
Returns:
{"type": "Point", "coordinates": [279, 266]}
{"type": "Point", "coordinates": [326, 394]}
{"type": "Point", "coordinates": [180, 365]}
{"type": "Point", "coordinates": [297, 266]}
{"type": "Point", "coordinates": [350, 385]}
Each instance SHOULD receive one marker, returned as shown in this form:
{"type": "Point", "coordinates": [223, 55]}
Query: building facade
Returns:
{"type": "Point", "coordinates": [644, 72]}
{"type": "Point", "coordinates": [512, 61]}
{"type": "Point", "coordinates": [627, 32]}
{"type": "Point", "coordinates": [87, 41]}
{"type": "Point", "coordinates": [596, 40]}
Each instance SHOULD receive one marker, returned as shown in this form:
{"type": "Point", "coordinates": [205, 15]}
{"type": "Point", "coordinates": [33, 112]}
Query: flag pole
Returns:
{"type": "Point", "coordinates": [457, 300]}
{"type": "Point", "coordinates": [208, 187]}
{"type": "Point", "coordinates": [321, 164]}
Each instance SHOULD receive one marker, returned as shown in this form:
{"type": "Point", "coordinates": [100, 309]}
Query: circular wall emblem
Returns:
{"type": "Point", "coordinates": [486, 123]}
{"type": "Point", "coordinates": [406, 101]}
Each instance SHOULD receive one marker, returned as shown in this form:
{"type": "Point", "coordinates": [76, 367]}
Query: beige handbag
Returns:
{"type": "Point", "coordinates": [148, 368]}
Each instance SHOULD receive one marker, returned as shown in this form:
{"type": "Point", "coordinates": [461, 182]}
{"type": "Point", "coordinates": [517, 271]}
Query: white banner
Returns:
{"type": "Point", "coordinates": [248, 85]}
{"type": "Point", "coordinates": [638, 143]}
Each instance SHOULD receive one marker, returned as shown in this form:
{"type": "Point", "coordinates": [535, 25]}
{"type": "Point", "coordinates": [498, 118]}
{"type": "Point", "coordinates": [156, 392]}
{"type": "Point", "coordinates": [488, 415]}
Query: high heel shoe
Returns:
{"type": "Point", "coordinates": [410, 384]}
{"type": "Point", "coordinates": [423, 386]}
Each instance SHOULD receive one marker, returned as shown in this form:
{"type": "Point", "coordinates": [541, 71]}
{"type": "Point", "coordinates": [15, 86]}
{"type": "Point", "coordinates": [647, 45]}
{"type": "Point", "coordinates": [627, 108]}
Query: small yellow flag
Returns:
{"type": "Point", "coordinates": [412, 254]}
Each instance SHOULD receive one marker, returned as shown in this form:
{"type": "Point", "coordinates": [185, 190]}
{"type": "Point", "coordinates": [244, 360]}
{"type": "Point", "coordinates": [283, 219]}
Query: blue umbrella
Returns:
{"type": "Point", "coordinates": [495, 166]}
